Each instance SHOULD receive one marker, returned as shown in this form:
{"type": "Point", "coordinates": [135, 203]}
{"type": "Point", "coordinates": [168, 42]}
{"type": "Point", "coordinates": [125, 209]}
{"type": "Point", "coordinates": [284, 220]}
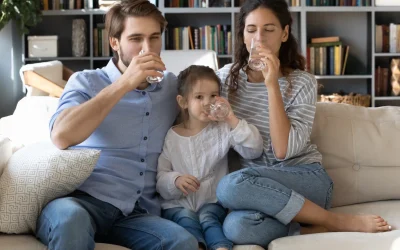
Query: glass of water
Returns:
{"type": "Point", "coordinates": [255, 62]}
{"type": "Point", "coordinates": [153, 79]}
{"type": "Point", "coordinates": [218, 110]}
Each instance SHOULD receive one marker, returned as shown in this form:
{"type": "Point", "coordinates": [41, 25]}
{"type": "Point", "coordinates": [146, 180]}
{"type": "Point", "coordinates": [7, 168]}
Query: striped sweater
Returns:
{"type": "Point", "coordinates": [250, 102]}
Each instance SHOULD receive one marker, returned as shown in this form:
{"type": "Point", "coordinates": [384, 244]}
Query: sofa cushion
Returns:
{"type": "Point", "coordinates": [30, 120]}
{"type": "Point", "coordinates": [360, 151]}
{"type": "Point", "coordinates": [339, 241]}
{"type": "Point", "coordinates": [5, 152]}
{"type": "Point", "coordinates": [28, 242]}
{"type": "Point", "coordinates": [35, 175]}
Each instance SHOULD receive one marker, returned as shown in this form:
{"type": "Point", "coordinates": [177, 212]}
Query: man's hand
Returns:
{"type": "Point", "coordinates": [187, 181]}
{"type": "Point", "coordinates": [140, 67]}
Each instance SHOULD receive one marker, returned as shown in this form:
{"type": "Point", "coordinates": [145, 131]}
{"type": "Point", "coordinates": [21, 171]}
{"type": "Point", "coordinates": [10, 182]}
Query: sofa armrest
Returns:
{"type": "Point", "coordinates": [6, 126]}
{"type": "Point", "coordinates": [6, 150]}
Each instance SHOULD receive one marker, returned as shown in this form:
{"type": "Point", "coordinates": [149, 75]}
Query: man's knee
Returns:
{"type": "Point", "coordinates": [65, 215]}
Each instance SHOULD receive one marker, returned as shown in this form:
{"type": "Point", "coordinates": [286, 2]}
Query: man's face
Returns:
{"type": "Point", "coordinates": [139, 33]}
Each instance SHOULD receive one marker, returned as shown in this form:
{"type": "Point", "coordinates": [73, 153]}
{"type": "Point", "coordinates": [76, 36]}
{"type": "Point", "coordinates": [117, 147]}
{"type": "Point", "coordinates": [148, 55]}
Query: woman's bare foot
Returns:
{"type": "Point", "coordinates": [313, 230]}
{"type": "Point", "coordinates": [357, 223]}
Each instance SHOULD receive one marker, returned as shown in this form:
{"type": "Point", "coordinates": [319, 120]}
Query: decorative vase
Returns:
{"type": "Point", "coordinates": [79, 39]}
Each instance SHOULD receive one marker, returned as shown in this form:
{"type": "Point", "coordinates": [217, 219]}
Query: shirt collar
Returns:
{"type": "Point", "coordinates": [114, 73]}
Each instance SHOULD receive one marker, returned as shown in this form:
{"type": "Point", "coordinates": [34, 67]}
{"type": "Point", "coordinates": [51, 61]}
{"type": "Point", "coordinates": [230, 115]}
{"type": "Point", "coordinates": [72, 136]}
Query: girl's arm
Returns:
{"type": "Point", "coordinates": [166, 177]}
{"type": "Point", "coordinates": [246, 140]}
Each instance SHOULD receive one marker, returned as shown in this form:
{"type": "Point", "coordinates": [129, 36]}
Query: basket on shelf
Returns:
{"type": "Point", "coordinates": [352, 98]}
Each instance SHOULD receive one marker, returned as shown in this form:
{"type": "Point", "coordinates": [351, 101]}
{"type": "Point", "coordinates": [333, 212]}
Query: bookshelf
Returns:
{"type": "Point", "coordinates": [355, 25]}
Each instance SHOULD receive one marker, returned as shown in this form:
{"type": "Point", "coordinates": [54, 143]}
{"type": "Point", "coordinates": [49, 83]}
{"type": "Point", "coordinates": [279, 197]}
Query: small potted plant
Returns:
{"type": "Point", "coordinates": [26, 13]}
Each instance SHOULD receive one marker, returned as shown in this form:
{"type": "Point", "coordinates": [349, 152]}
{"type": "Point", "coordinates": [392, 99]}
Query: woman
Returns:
{"type": "Point", "coordinates": [287, 185]}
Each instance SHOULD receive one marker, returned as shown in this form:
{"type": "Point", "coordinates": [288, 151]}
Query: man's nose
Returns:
{"type": "Point", "coordinates": [146, 45]}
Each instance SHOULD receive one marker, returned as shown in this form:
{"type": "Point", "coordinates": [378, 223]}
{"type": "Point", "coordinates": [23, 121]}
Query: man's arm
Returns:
{"type": "Point", "coordinates": [74, 125]}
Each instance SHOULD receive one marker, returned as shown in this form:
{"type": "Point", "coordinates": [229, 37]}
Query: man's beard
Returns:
{"type": "Point", "coordinates": [126, 61]}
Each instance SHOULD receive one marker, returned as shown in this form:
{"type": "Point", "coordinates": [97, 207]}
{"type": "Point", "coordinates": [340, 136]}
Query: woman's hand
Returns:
{"type": "Point", "coordinates": [272, 69]}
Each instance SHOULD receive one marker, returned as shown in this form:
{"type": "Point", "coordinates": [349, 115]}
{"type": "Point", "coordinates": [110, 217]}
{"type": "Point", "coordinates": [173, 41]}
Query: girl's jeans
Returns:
{"type": "Point", "coordinates": [205, 225]}
{"type": "Point", "coordinates": [265, 200]}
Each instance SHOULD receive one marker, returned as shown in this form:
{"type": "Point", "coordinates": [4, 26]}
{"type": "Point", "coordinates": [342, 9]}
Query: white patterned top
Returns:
{"type": "Point", "coordinates": [204, 156]}
{"type": "Point", "coordinates": [250, 102]}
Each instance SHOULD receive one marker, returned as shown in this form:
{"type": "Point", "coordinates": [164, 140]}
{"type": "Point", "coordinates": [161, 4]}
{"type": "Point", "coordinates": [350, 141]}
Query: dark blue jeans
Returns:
{"type": "Point", "coordinates": [77, 221]}
{"type": "Point", "coordinates": [205, 225]}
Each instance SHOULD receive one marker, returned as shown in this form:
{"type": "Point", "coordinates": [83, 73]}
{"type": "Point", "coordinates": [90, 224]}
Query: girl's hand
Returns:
{"type": "Point", "coordinates": [271, 71]}
{"type": "Point", "coordinates": [187, 182]}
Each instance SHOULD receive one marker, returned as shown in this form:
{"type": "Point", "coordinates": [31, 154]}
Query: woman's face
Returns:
{"type": "Point", "coordinates": [265, 26]}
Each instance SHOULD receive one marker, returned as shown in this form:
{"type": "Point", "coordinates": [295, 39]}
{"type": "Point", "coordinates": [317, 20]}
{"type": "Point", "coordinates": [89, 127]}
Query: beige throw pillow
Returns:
{"type": "Point", "coordinates": [34, 176]}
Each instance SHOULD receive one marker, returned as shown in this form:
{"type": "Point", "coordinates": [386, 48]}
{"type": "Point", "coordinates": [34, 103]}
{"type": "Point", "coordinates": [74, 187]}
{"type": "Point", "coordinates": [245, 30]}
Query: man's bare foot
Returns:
{"type": "Point", "coordinates": [357, 223]}
{"type": "Point", "coordinates": [313, 230]}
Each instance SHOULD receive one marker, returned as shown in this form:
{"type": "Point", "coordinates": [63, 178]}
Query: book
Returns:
{"type": "Point", "coordinates": [325, 39]}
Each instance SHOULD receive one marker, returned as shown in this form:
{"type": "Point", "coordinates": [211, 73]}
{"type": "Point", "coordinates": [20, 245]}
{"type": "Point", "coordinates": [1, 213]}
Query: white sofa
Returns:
{"type": "Point", "coordinates": [360, 152]}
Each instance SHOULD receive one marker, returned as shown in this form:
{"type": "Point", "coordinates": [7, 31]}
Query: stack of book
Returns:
{"type": "Point", "coordinates": [327, 56]}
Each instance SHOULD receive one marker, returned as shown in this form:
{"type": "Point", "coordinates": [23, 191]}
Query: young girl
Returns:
{"type": "Point", "coordinates": [287, 185]}
{"type": "Point", "coordinates": [194, 158]}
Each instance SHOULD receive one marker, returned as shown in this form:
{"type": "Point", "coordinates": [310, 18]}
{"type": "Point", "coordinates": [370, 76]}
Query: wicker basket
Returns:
{"type": "Point", "coordinates": [352, 98]}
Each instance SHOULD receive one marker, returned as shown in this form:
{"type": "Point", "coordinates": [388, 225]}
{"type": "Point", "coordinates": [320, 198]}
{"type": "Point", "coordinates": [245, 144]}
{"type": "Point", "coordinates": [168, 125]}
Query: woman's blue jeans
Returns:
{"type": "Point", "coordinates": [265, 200]}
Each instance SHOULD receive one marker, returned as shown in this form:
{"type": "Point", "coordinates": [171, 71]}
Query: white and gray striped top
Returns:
{"type": "Point", "coordinates": [250, 102]}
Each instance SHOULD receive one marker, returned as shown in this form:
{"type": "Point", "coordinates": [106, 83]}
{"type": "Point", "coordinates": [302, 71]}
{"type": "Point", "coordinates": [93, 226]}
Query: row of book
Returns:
{"type": "Point", "coordinates": [338, 2]}
{"type": "Point", "coordinates": [212, 3]}
{"type": "Point", "coordinates": [387, 38]}
{"type": "Point", "coordinates": [101, 43]}
{"type": "Point", "coordinates": [327, 56]}
{"type": "Point", "coordinates": [65, 4]}
{"type": "Point", "coordinates": [217, 38]}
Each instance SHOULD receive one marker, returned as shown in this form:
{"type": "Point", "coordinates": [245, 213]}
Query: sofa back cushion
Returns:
{"type": "Point", "coordinates": [30, 120]}
{"type": "Point", "coordinates": [360, 148]}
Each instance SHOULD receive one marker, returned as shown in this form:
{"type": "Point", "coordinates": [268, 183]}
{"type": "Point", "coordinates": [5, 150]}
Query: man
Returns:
{"type": "Point", "coordinates": [114, 109]}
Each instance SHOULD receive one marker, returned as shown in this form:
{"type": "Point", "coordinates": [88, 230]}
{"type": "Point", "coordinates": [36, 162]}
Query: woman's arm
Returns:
{"type": "Point", "coordinates": [290, 130]}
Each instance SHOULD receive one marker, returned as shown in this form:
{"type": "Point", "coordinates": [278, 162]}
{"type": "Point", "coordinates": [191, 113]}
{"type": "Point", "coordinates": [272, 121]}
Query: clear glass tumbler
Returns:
{"type": "Point", "coordinates": [255, 62]}
{"type": "Point", "coordinates": [218, 110]}
{"type": "Point", "coordinates": [153, 79]}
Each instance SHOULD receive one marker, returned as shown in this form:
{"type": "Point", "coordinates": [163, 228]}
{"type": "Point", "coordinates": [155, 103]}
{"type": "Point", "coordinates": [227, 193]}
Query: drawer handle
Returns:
{"type": "Point", "coordinates": [38, 48]}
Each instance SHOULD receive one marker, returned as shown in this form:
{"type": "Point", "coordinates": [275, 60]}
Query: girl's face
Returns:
{"type": "Point", "coordinates": [203, 93]}
{"type": "Point", "coordinates": [264, 25]}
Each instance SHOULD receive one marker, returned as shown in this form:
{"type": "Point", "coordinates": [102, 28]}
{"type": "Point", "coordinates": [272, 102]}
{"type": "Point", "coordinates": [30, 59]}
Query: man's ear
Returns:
{"type": "Point", "coordinates": [114, 43]}
{"type": "Point", "coordinates": [181, 102]}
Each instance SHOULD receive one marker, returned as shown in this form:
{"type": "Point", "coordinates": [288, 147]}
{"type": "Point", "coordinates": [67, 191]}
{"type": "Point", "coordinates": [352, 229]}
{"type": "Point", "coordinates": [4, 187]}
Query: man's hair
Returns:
{"type": "Point", "coordinates": [116, 16]}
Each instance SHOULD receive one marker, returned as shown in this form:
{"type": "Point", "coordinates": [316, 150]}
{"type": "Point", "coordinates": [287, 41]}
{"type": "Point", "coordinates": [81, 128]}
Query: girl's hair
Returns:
{"type": "Point", "coordinates": [289, 55]}
{"type": "Point", "coordinates": [189, 77]}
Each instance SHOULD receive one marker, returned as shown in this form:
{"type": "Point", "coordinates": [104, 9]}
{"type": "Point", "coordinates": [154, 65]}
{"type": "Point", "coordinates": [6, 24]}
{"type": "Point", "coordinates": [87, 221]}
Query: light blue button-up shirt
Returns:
{"type": "Point", "coordinates": [130, 138]}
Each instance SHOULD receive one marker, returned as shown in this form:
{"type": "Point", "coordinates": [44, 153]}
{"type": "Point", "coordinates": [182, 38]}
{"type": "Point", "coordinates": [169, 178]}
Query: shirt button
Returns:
{"type": "Point", "coordinates": [142, 160]}
{"type": "Point", "coordinates": [145, 138]}
{"type": "Point", "coordinates": [138, 192]}
{"type": "Point", "coordinates": [147, 113]}
{"type": "Point", "coordinates": [141, 173]}
{"type": "Point", "coordinates": [143, 93]}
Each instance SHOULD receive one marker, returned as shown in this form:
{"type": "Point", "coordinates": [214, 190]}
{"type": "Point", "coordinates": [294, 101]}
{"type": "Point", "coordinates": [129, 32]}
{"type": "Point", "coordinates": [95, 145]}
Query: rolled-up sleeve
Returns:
{"type": "Point", "coordinates": [76, 91]}
{"type": "Point", "coordinates": [301, 114]}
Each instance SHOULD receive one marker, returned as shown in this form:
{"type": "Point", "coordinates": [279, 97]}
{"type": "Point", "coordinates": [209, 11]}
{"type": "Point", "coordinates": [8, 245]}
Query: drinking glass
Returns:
{"type": "Point", "coordinates": [218, 110]}
{"type": "Point", "coordinates": [153, 79]}
{"type": "Point", "coordinates": [255, 62]}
